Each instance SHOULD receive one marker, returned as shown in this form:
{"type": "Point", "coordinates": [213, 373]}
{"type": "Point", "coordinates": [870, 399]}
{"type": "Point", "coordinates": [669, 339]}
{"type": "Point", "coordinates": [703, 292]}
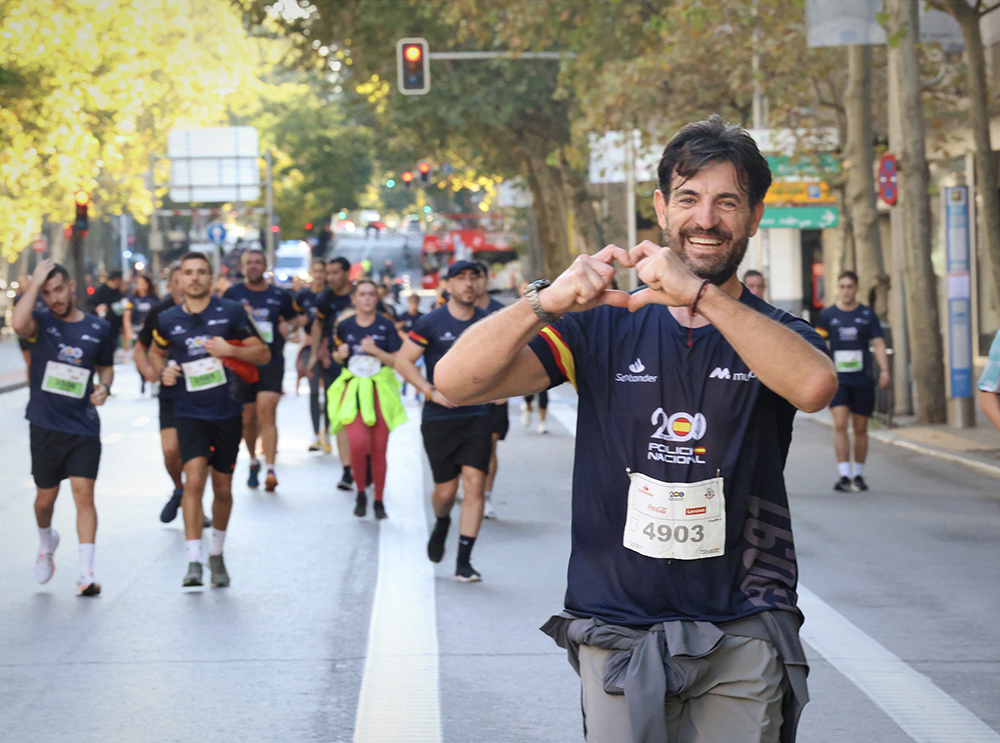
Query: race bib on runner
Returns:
{"type": "Point", "coordinates": [363, 365]}
{"type": "Point", "coordinates": [203, 374]}
{"type": "Point", "coordinates": [675, 521]}
{"type": "Point", "coordinates": [66, 380]}
{"type": "Point", "coordinates": [848, 361]}
{"type": "Point", "coordinates": [266, 331]}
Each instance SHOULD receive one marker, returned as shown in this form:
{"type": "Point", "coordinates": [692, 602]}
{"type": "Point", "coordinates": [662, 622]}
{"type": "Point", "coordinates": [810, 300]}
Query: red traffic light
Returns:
{"type": "Point", "coordinates": [424, 168]}
{"type": "Point", "coordinates": [412, 68]}
{"type": "Point", "coordinates": [308, 225]}
{"type": "Point", "coordinates": [82, 198]}
{"type": "Point", "coordinates": [413, 53]}
{"type": "Point", "coordinates": [274, 228]}
{"type": "Point", "coordinates": [407, 177]}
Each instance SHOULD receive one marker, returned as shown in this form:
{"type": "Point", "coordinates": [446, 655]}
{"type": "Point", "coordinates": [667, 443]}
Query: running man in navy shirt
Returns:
{"type": "Point", "coordinates": [268, 305]}
{"type": "Point", "coordinates": [457, 440]}
{"type": "Point", "coordinates": [67, 347]}
{"type": "Point", "coordinates": [305, 304]}
{"type": "Point", "coordinates": [681, 526]}
{"type": "Point", "coordinates": [851, 328]}
{"type": "Point", "coordinates": [498, 412]}
{"type": "Point", "coordinates": [212, 347]}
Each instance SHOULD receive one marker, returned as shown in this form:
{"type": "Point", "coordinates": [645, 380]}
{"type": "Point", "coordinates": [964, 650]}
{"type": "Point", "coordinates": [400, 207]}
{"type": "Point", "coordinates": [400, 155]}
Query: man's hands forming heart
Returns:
{"type": "Point", "coordinates": [586, 283]}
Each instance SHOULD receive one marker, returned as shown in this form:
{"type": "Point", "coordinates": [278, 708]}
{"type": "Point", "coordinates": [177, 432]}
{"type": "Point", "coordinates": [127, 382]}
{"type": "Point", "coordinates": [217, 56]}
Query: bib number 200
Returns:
{"type": "Point", "coordinates": [679, 533]}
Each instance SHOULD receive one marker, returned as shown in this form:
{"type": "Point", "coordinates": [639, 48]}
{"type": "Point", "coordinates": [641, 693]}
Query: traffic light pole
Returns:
{"type": "Point", "coordinates": [76, 256]}
{"type": "Point", "coordinates": [501, 55]}
{"type": "Point", "coordinates": [268, 234]}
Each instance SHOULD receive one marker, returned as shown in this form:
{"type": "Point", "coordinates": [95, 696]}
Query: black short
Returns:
{"type": "Point", "coordinates": [23, 344]}
{"type": "Point", "coordinates": [501, 420]}
{"type": "Point", "coordinates": [453, 443]}
{"type": "Point", "coordinates": [56, 455]}
{"type": "Point", "coordinates": [218, 441]}
{"type": "Point", "coordinates": [271, 377]}
{"type": "Point", "coordinates": [860, 399]}
{"type": "Point", "coordinates": [167, 413]}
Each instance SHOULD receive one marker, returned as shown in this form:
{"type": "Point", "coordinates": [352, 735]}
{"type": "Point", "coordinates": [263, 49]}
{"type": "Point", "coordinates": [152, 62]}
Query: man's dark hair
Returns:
{"type": "Point", "coordinates": [848, 275]}
{"type": "Point", "coordinates": [58, 270]}
{"type": "Point", "coordinates": [114, 275]}
{"type": "Point", "coordinates": [750, 273]}
{"type": "Point", "coordinates": [342, 262]}
{"type": "Point", "coordinates": [194, 255]}
{"type": "Point", "coordinates": [703, 143]}
{"type": "Point", "coordinates": [248, 251]}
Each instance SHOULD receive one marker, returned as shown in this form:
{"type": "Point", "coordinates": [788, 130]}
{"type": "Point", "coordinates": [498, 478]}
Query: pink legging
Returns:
{"type": "Point", "coordinates": [368, 441]}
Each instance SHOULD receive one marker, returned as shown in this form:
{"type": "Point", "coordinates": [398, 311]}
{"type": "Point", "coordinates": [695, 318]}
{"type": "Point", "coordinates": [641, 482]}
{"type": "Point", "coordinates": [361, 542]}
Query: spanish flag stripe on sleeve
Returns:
{"type": "Point", "coordinates": [561, 353]}
{"type": "Point", "coordinates": [823, 333]}
{"type": "Point", "coordinates": [418, 339]}
{"type": "Point", "coordinates": [295, 306]}
{"type": "Point", "coordinates": [159, 339]}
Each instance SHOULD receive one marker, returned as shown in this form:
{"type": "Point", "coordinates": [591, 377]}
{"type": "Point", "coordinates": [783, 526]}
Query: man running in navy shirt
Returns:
{"type": "Point", "coordinates": [67, 347]}
{"type": "Point", "coordinates": [498, 412]}
{"type": "Point", "coordinates": [212, 346]}
{"type": "Point", "coordinates": [458, 440]}
{"type": "Point", "coordinates": [850, 328]}
{"type": "Point", "coordinates": [681, 527]}
{"type": "Point", "coordinates": [268, 305]}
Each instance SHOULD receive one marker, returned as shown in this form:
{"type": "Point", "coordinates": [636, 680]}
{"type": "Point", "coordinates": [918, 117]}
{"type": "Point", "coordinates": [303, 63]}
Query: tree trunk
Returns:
{"type": "Point", "coordinates": [859, 189]}
{"type": "Point", "coordinates": [987, 188]}
{"type": "Point", "coordinates": [590, 236]}
{"type": "Point", "coordinates": [914, 204]}
{"type": "Point", "coordinates": [551, 211]}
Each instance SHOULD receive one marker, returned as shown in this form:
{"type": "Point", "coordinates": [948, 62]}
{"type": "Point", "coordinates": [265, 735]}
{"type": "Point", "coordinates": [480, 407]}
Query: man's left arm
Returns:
{"type": "Point", "coordinates": [105, 376]}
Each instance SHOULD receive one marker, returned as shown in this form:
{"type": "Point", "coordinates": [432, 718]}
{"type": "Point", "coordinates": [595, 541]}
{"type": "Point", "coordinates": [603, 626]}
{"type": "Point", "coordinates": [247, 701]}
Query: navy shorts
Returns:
{"type": "Point", "coordinates": [218, 441]}
{"type": "Point", "coordinates": [859, 398]}
{"type": "Point", "coordinates": [167, 413]}
{"type": "Point", "coordinates": [453, 443]}
{"type": "Point", "coordinates": [56, 455]}
{"type": "Point", "coordinates": [271, 377]}
{"type": "Point", "coordinates": [501, 420]}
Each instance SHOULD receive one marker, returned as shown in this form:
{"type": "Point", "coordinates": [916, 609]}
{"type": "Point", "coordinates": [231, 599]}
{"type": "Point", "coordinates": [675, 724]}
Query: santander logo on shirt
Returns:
{"type": "Point", "coordinates": [636, 368]}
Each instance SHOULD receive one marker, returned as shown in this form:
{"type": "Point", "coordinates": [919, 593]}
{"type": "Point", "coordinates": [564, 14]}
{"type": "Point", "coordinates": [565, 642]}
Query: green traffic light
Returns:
{"type": "Point", "coordinates": [341, 215]}
{"type": "Point", "coordinates": [427, 209]}
{"type": "Point", "coordinates": [390, 183]}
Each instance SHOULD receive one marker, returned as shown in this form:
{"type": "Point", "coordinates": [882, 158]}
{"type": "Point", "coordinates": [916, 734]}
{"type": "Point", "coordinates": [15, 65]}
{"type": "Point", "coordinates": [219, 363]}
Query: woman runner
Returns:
{"type": "Point", "coordinates": [365, 399]}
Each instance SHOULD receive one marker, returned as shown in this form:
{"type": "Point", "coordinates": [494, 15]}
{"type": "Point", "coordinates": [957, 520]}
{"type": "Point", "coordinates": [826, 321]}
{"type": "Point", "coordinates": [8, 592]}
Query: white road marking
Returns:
{"type": "Point", "coordinates": [909, 698]}
{"type": "Point", "coordinates": [111, 438]}
{"type": "Point", "coordinates": [142, 420]}
{"type": "Point", "coordinates": [399, 691]}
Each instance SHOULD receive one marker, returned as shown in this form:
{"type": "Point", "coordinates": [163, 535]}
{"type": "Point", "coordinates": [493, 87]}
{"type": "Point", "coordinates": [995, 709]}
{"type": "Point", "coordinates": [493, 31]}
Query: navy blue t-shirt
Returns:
{"type": "Point", "coordinates": [184, 335]}
{"type": "Point", "coordinates": [436, 332]}
{"type": "Point", "coordinates": [146, 336]}
{"type": "Point", "coordinates": [63, 358]}
{"type": "Point", "coordinates": [269, 306]}
{"type": "Point", "coordinates": [305, 304]}
{"type": "Point", "coordinates": [381, 331]}
{"type": "Point", "coordinates": [850, 334]}
{"type": "Point", "coordinates": [328, 306]}
{"type": "Point", "coordinates": [493, 306]}
{"type": "Point", "coordinates": [653, 405]}
{"type": "Point", "coordinates": [409, 321]}
{"type": "Point", "coordinates": [140, 308]}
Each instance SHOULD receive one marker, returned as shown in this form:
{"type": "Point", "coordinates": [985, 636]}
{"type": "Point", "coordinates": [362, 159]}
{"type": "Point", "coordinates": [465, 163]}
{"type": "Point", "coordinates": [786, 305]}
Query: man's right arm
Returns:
{"type": "Point", "coordinates": [23, 320]}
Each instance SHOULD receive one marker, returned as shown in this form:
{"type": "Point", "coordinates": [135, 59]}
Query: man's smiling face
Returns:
{"type": "Point", "coordinates": [708, 220]}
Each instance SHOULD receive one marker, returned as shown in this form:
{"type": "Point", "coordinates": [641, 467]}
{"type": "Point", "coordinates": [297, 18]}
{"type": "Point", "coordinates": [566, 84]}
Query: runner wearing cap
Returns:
{"type": "Point", "coordinates": [680, 612]}
{"type": "Point", "coordinates": [457, 439]}
{"type": "Point", "coordinates": [67, 347]}
{"type": "Point", "coordinates": [213, 348]}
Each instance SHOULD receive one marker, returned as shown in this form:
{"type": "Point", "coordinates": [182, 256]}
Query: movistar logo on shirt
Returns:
{"type": "Point", "coordinates": [722, 372]}
{"type": "Point", "coordinates": [636, 367]}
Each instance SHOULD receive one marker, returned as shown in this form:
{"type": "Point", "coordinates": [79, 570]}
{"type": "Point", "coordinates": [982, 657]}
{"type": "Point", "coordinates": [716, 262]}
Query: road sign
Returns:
{"type": "Point", "coordinates": [801, 217]}
{"type": "Point", "coordinates": [888, 187]}
{"type": "Point", "coordinates": [39, 245]}
{"type": "Point", "coordinates": [216, 233]}
{"type": "Point", "coordinates": [956, 214]}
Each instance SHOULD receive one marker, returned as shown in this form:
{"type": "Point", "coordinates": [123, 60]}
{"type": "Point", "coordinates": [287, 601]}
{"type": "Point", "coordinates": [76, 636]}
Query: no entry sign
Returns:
{"type": "Point", "coordinates": [888, 189]}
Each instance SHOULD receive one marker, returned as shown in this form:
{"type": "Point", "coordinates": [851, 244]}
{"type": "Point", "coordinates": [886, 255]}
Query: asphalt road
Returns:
{"type": "Point", "coordinates": [909, 571]}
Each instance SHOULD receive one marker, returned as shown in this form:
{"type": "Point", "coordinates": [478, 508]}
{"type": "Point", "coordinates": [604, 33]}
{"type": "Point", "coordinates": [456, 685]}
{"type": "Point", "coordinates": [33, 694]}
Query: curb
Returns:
{"type": "Point", "coordinates": [891, 439]}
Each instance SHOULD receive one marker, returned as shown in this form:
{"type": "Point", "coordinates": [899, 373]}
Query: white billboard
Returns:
{"type": "Point", "coordinates": [217, 165]}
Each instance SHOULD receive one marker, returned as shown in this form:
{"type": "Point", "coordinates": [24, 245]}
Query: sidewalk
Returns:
{"type": "Point", "coordinates": [976, 448]}
{"type": "Point", "coordinates": [12, 371]}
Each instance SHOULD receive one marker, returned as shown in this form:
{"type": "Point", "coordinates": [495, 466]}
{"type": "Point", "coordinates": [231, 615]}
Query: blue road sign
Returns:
{"type": "Point", "coordinates": [216, 233]}
{"type": "Point", "coordinates": [956, 209]}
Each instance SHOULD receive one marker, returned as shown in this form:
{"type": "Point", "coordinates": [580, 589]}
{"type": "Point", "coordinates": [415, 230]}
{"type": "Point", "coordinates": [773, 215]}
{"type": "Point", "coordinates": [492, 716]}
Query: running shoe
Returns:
{"type": "Point", "coordinates": [254, 480]}
{"type": "Point", "coordinates": [87, 587]}
{"type": "Point", "coordinates": [488, 512]}
{"type": "Point", "coordinates": [843, 485]}
{"type": "Point", "coordinates": [525, 415]}
{"type": "Point", "coordinates": [271, 482]}
{"type": "Point", "coordinates": [45, 566]}
{"type": "Point", "coordinates": [193, 577]}
{"type": "Point", "coordinates": [860, 484]}
{"type": "Point", "coordinates": [435, 545]}
{"type": "Point", "coordinates": [542, 428]}
{"type": "Point", "coordinates": [207, 522]}
{"type": "Point", "coordinates": [220, 578]}
{"type": "Point", "coordinates": [467, 574]}
{"type": "Point", "coordinates": [361, 505]}
{"type": "Point", "coordinates": [169, 512]}
{"type": "Point", "coordinates": [327, 448]}
{"type": "Point", "coordinates": [346, 481]}
{"type": "Point", "coordinates": [379, 508]}
{"type": "Point", "coordinates": [316, 445]}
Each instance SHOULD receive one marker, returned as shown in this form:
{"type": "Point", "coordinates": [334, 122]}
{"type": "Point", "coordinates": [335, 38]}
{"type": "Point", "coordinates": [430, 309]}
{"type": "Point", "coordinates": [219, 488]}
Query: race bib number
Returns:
{"type": "Point", "coordinates": [203, 374]}
{"type": "Point", "coordinates": [363, 365]}
{"type": "Point", "coordinates": [848, 361]}
{"type": "Point", "coordinates": [266, 331]}
{"type": "Point", "coordinates": [64, 379]}
{"type": "Point", "coordinates": [675, 521]}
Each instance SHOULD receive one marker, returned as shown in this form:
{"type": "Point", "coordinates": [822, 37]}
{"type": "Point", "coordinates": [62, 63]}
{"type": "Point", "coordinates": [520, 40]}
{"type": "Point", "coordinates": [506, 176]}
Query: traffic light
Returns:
{"type": "Point", "coordinates": [308, 226]}
{"type": "Point", "coordinates": [82, 199]}
{"type": "Point", "coordinates": [413, 66]}
{"type": "Point", "coordinates": [407, 178]}
{"type": "Point", "coordinates": [425, 172]}
{"type": "Point", "coordinates": [390, 183]}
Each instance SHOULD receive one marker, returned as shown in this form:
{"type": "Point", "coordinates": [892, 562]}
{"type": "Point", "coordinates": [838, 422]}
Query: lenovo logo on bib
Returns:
{"type": "Point", "coordinates": [636, 367]}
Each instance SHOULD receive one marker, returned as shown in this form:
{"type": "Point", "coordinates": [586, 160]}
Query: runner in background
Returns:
{"type": "Point", "coordinates": [755, 282]}
{"type": "Point", "coordinates": [334, 300]}
{"type": "Point", "coordinates": [989, 384]}
{"type": "Point", "coordinates": [268, 306]}
{"type": "Point", "coordinates": [364, 400]}
{"type": "Point", "coordinates": [139, 303]}
{"type": "Point", "coordinates": [67, 347]}
{"type": "Point", "coordinates": [527, 408]}
{"type": "Point", "coordinates": [851, 328]}
{"type": "Point", "coordinates": [305, 303]}
{"type": "Point", "coordinates": [499, 414]}
{"type": "Point", "coordinates": [406, 322]}
{"type": "Point", "coordinates": [108, 302]}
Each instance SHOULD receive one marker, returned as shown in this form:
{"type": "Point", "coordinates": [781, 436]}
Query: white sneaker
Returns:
{"type": "Point", "coordinates": [542, 428]}
{"type": "Point", "coordinates": [488, 512]}
{"type": "Point", "coordinates": [525, 415]}
{"type": "Point", "coordinates": [44, 565]}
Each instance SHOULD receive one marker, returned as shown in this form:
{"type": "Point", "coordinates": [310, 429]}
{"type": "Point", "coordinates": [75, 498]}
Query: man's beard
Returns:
{"type": "Point", "coordinates": [201, 295]}
{"type": "Point", "coordinates": [718, 269]}
{"type": "Point", "coordinates": [69, 309]}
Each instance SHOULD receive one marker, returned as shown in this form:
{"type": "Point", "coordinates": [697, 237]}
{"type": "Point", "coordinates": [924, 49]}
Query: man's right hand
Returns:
{"type": "Point", "coordinates": [42, 270]}
{"type": "Point", "coordinates": [440, 399]}
{"type": "Point", "coordinates": [586, 283]}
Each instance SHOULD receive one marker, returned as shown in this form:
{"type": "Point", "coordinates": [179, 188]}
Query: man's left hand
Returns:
{"type": "Point", "coordinates": [368, 345]}
{"type": "Point", "coordinates": [883, 379]}
{"type": "Point", "coordinates": [99, 395]}
{"type": "Point", "coordinates": [668, 280]}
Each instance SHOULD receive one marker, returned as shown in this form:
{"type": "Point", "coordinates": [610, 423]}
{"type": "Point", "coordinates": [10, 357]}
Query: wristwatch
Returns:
{"type": "Point", "coordinates": [531, 294]}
